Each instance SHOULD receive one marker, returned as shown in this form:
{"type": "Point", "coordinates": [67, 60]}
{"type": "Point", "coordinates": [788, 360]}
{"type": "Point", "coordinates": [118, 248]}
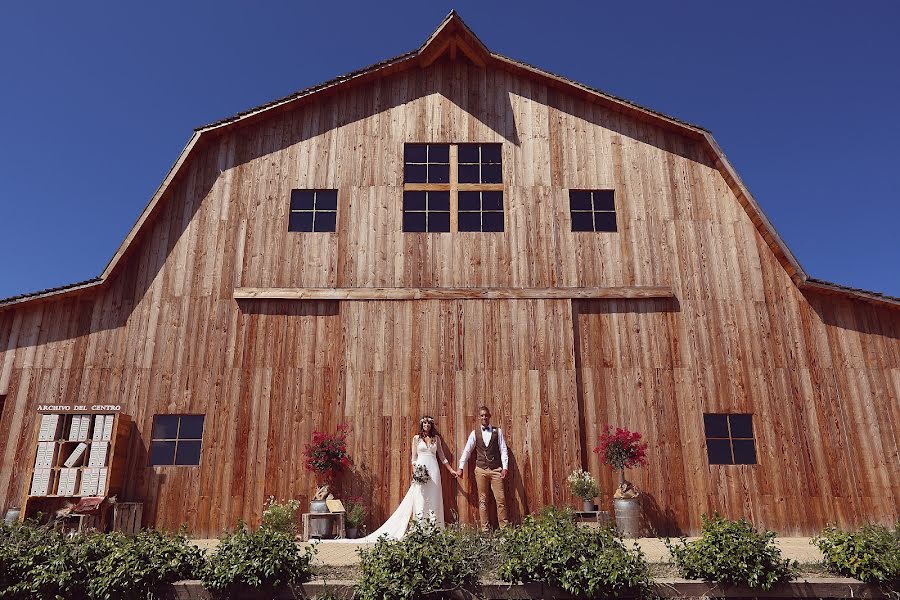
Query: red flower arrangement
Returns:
{"type": "Point", "coordinates": [622, 449]}
{"type": "Point", "coordinates": [327, 454]}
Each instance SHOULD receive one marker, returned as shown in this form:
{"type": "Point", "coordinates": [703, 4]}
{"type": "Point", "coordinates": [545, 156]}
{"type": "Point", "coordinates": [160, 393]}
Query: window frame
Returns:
{"type": "Point", "coordinates": [454, 187]}
{"type": "Point", "coordinates": [176, 440]}
{"type": "Point", "coordinates": [593, 211]}
{"type": "Point", "coordinates": [730, 438]}
{"type": "Point", "coordinates": [314, 211]}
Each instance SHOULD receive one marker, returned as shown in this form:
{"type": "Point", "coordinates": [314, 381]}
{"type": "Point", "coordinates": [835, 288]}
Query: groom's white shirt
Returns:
{"type": "Point", "coordinates": [486, 436]}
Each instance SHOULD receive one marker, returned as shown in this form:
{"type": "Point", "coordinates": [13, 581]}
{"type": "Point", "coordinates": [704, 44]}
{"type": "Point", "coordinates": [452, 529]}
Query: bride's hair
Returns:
{"type": "Point", "coordinates": [427, 419]}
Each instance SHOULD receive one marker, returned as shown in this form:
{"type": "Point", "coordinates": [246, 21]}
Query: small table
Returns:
{"type": "Point", "coordinates": [596, 518]}
{"type": "Point", "coordinates": [338, 517]}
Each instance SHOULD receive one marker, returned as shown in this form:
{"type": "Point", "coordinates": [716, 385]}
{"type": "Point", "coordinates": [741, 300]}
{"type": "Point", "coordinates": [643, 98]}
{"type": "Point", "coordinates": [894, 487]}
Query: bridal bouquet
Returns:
{"type": "Point", "coordinates": [420, 474]}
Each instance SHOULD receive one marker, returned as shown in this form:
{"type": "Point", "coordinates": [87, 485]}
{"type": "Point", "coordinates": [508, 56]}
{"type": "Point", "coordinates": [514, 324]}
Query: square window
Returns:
{"type": "Point", "coordinates": [470, 201]}
{"type": "Point", "coordinates": [604, 200]}
{"type": "Point", "coordinates": [162, 453]}
{"type": "Point", "coordinates": [469, 173]}
{"type": "Point", "coordinates": [492, 221]}
{"type": "Point", "coordinates": [744, 452]}
{"type": "Point", "coordinates": [580, 200]}
{"type": "Point", "coordinates": [470, 221]}
{"type": "Point", "coordinates": [326, 200]}
{"type": "Point", "coordinates": [492, 200]}
{"type": "Point", "coordinates": [165, 427]}
{"type": "Point", "coordinates": [415, 173]}
{"type": "Point", "coordinates": [301, 221]}
{"type": "Point", "coordinates": [413, 200]}
{"type": "Point", "coordinates": [438, 153]}
{"type": "Point", "coordinates": [415, 153]}
{"type": "Point", "coordinates": [439, 201]}
{"type": "Point", "coordinates": [582, 221]}
{"type": "Point", "coordinates": [439, 221]}
{"type": "Point", "coordinates": [326, 221]}
{"type": "Point", "coordinates": [302, 199]}
{"type": "Point", "coordinates": [468, 153]}
{"type": "Point", "coordinates": [741, 426]}
{"type": "Point", "coordinates": [715, 426]}
{"type": "Point", "coordinates": [191, 427]}
{"type": "Point", "coordinates": [414, 221]}
{"type": "Point", "coordinates": [491, 153]}
{"type": "Point", "coordinates": [718, 452]}
{"type": "Point", "coordinates": [187, 453]}
{"type": "Point", "coordinates": [492, 173]}
{"type": "Point", "coordinates": [604, 221]}
{"type": "Point", "coordinates": [438, 173]}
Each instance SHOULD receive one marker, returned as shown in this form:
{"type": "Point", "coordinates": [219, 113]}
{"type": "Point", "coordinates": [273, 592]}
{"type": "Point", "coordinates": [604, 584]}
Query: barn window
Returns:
{"type": "Point", "coordinates": [729, 439]}
{"type": "Point", "coordinates": [313, 210]}
{"type": "Point", "coordinates": [176, 440]}
{"type": "Point", "coordinates": [593, 210]}
{"type": "Point", "coordinates": [453, 187]}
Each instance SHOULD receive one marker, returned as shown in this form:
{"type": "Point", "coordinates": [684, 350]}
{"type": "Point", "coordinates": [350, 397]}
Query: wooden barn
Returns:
{"type": "Point", "coordinates": [441, 230]}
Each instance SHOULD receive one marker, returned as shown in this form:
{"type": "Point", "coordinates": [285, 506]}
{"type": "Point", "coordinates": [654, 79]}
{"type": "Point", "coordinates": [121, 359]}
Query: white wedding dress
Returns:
{"type": "Point", "coordinates": [422, 500]}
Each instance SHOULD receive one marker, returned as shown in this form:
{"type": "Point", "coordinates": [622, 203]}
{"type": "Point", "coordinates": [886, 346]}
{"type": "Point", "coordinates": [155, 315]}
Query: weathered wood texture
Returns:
{"type": "Point", "coordinates": [820, 373]}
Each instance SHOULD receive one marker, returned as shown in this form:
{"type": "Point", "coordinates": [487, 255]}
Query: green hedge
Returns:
{"type": "Point", "coordinates": [871, 554]}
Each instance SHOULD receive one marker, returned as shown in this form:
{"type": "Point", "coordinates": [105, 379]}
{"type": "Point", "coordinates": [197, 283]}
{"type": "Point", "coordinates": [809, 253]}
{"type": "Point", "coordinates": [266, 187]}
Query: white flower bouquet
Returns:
{"type": "Point", "coordinates": [583, 485]}
{"type": "Point", "coordinates": [420, 474]}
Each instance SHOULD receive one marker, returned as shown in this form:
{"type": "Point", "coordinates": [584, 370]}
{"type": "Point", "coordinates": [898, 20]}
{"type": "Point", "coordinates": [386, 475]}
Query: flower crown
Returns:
{"type": "Point", "coordinates": [424, 420]}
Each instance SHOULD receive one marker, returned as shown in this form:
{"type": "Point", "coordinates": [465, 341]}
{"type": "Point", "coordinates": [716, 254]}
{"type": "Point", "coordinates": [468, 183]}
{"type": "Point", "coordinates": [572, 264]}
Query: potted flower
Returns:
{"type": "Point", "coordinates": [583, 485]}
{"type": "Point", "coordinates": [622, 449]}
{"type": "Point", "coordinates": [327, 457]}
{"type": "Point", "coordinates": [355, 516]}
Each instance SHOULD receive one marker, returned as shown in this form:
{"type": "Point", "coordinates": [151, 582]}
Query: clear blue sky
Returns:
{"type": "Point", "coordinates": [97, 100]}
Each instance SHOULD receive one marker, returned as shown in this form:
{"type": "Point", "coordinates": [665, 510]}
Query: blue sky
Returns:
{"type": "Point", "coordinates": [99, 98]}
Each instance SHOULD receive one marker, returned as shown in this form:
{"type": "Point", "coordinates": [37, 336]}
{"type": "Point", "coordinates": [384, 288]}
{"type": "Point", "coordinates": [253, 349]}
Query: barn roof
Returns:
{"type": "Point", "coordinates": [454, 37]}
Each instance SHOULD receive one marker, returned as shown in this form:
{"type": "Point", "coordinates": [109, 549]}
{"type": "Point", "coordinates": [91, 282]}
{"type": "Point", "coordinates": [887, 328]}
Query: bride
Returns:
{"type": "Point", "coordinates": [423, 500]}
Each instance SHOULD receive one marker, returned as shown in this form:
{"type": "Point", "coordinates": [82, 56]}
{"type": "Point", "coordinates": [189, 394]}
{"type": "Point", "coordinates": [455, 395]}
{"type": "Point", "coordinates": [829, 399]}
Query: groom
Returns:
{"type": "Point", "coordinates": [491, 466]}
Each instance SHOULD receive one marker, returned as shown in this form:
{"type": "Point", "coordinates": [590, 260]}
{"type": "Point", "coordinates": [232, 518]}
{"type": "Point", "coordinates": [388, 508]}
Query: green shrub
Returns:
{"type": "Point", "coordinates": [261, 559]}
{"type": "Point", "coordinates": [584, 561]}
{"type": "Point", "coordinates": [427, 561]}
{"type": "Point", "coordinates": [871, 554]}
{"type": "Point", "coordinates": [281, 516]}
{"type": "Point", "coordinates": [732, 553]}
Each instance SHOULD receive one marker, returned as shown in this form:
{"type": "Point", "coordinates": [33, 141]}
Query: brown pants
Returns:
{"type": "Point", "coordinates": [490, 478]}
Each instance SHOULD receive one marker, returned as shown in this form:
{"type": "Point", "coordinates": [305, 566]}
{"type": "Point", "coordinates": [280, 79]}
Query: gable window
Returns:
{"type": "Point", "coordinates": [593, 210]}
{"type": "Point", "coordinates": [729, 439]}
{"type": "Point", "coordinates": [453, 188]}
{"type": "Point", "coordinates": [176, 440]}
{"type": "Point", "coordinates": [313, 210]}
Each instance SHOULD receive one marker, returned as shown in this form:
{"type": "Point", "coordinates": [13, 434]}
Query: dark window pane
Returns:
{"type": "Point", "coordinates": [438, 153]}
{"type": "Point", "coordinates": [438, 200]}
{"type": "Point", "coordinates": [715, 426]}
{"type": "Point", "coordinates": [744, 452]}
{"type": "Point", "coordinates": [415, 174]}
{"type": "Point", "coordinates": [490, 153]}
{"type": "Point", "coordinates": [326, 221]}
{"type": "Point", "coordinates": [438, 221]}
{"type": "Point", "coordinates": [470, 201]}
{"type": "Point", "coordinates": [414, 153]}
{"type": "Point", "coordinates": [413, 221]}
{"type": "Point", "coordinates": [492, 221]}
{"type": "Point", "coordinates": [191, 427]}
{"type": "Point", "coordinates": [492, 200]}
{"type": "Point", "coordinates": [582, 221]}
{"type": "Point", "coordinates": [491, 174]}
{"type": "Point", "coordinates": [604, 221]}
{"type": "Point", "coordinates": [165, 427]}
{"type": "Point", "coordinates": [741, 426]}
{"type": "Point", "coordinates": [470, 221]}
{"type": "Point", "coordinates": [580, 200]}
{"type": "Point", "coordinates": [438, 173]}
{"type": "Point", "coordinates": [413, 200]}
{"type": "Point", "coordinates": [326, 200]}
{"type": "Point", "coordinates": [302, 199]}
{"type": "Point", "coordinates": [468, 153]}
{"type": "Point", "coordinates": [604, 200]}
{"type": "Point", "coordinates": [162, 453]}
{"type": "Point", "coordinates": [469, 173]}
{"type": "Point", "coordinates": [718, 452]}
{"type": "Point", "coordinates": [188, 453]}
{"type": "Point", "coordinates": [301, 221]}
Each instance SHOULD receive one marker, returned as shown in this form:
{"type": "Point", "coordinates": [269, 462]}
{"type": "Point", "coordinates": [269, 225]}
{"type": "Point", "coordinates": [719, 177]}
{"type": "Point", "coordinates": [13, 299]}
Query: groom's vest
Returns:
{"type": "Point", "coordinates": [487, 457]}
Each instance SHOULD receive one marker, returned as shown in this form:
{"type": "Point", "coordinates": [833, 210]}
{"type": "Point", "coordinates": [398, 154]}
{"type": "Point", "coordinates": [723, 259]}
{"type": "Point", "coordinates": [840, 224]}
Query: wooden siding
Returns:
{"type": "Point", "coordinates": [820, 373]}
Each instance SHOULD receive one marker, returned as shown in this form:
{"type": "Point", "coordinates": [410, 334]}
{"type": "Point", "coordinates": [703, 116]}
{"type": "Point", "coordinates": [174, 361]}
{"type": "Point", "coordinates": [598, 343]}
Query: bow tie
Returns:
{"type": "Point", "coordinates": [488, 428]}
